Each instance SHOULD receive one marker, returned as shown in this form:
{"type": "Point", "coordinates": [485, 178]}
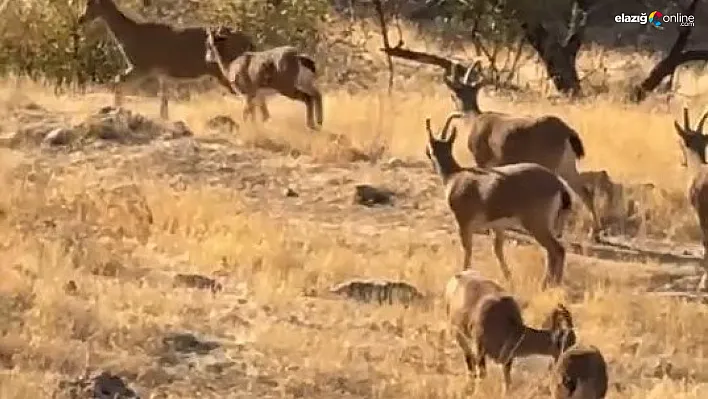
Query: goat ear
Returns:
{"type": "Point", "coordinates": [679, 129]}
{"type": "Point", "coordinates": [429, 128]}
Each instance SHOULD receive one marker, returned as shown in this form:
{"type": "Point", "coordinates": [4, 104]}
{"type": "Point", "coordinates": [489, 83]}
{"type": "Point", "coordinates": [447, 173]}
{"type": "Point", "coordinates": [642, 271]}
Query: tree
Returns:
{"type": "Point", "coordinates": [675, 58]}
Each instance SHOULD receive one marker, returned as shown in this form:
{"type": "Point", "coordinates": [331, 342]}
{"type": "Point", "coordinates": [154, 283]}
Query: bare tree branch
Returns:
{"type": "Point", "coordinates": [559, 57]}
{"type": "Point", "coordinates": [676, 57]}
{"type": "Point", "coordinates": [387, 45]}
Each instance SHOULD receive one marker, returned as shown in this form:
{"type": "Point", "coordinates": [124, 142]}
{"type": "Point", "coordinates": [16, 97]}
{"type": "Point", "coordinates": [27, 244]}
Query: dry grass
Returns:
{"type": "Point", "coordinates": [119, 229]}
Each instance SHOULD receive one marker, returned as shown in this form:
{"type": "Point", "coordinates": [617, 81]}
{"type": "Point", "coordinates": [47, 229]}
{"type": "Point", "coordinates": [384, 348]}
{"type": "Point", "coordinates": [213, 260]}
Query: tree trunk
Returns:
{"type": "Point", "coordinates": [559, 58]}
{"type": "Point", "coordinates": [666, 67]}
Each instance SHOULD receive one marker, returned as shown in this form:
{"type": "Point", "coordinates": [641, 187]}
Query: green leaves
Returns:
{"type": "Point", "coordinates": [42, 39]}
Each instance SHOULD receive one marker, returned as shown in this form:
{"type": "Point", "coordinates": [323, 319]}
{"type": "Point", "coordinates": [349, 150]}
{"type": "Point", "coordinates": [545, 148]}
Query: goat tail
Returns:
{"type": "Point", "coordinates": [561, 208]}
{"type": "Point", "coordinates": [307, 62]}
{"type": "Point", "coordinates": [576, 144]}
{"type": "Point", "coordinates": [566, 200]}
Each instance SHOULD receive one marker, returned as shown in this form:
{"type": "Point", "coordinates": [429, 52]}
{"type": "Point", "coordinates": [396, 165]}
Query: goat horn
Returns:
{"type": "Point", "coordinates": [699, 126]}
{"type": "Point", "coordinates": [429, 129]}
{"type": "Point", "coordinates": [685, 119]}
{"type": "Point", "coordinates": [467, 75]}
{"type": "Point", "coordinates": [454, 115]}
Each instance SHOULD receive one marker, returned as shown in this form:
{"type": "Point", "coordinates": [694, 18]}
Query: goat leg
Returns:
{"type": "Point", "coordinates": [470, 361]}
{"type": "Point", "coordinates": [506, 369]}
{"type": "Point", "coordinates": [703, 283]}
{"type": "Point", "coordinates": [164, 112]}
{"type": "Point", "coordinates": [466, 241]}
{"type": "Point", "coordinates": [499, 252]}
{"type": "Point", "coordinates": [118, 82]}
{"type": "Point", "coordinates": [265, 115]}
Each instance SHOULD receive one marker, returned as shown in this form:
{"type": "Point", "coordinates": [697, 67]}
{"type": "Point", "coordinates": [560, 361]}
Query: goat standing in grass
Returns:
{"type": "Point", "coordinates": [282, 69]}
{"type": "Point", "coordinates": [694, 145]}
{"type": "Point", "coordinates": [496, 139]}
{"type": "Point", "coordinates": [481, 313]}
{"type": "Point", "coordinates": [155, 49]}
{"type": "Point", "coordinates": [525, 194]}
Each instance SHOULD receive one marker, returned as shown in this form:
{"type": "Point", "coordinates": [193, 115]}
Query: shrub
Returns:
{"type": "Point", "coordinates": [42, 39]}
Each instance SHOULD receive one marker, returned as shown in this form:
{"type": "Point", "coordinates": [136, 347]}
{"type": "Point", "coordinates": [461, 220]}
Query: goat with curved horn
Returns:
{"type": "Point", "coordinates": [694, 145]}
{"type": "Point", "coordinates": [525, 194]}
{"type": "Point", "coordinates": [496, 139]}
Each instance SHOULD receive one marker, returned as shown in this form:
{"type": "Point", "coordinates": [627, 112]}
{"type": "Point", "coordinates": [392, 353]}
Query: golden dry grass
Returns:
{"type": "Point", "coordinates": [84, 217]}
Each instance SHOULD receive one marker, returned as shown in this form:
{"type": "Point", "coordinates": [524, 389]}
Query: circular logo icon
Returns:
{"type": "Point", "coordinates": [655, 18]}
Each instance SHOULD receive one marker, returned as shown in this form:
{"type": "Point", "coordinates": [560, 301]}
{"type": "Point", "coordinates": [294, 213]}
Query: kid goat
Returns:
{"type": "Point", "coordinates": [282, 69]}
{"type": "Point", "coordinates": [481, 313]}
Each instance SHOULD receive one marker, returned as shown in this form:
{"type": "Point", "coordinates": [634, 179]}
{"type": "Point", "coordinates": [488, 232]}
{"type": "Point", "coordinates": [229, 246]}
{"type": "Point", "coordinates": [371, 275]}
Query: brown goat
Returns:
{"type": "Point", "coordinates": [525, 194]}
{"type": "Point", "coordinates": [282, 69]}
{"type": "Point", "coordinates": [479, 310]}
{"type": "Point", "coordinates": [155, 49]}
{"type": "Point", "coordinates": [694, 145]}
{"type": "Point", "coordinates": [496, 139]}
{"type": "Point", "coordinates": [579, 373]}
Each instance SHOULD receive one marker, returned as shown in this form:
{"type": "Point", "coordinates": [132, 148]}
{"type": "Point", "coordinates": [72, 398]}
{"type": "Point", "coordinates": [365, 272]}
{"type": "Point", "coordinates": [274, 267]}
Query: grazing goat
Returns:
{"type": "Point", "coordinates": [496, 139]}
{"type": "Point", "coordinates": [501, 197]}
{"type": "Point", "coordinates": [155, 49]}
{"type": "Point", "coordinates": [479, 310]}
{"type": "Point", "coordinates": [694, 145]}
{"type": "Point", "coordinates": [579, 373]}
{"type": "Point", "coordinates": [282, 69]}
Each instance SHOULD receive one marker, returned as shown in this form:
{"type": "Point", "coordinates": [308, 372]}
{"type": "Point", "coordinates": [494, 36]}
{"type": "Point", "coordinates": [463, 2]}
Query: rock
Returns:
{"type": "Point", "coordinates": [122, 126]}
{"type": "Point", "coordinates": [369, 195]}
{"type": "Point", "coordinates": [71, 288]}
{"type": "Point", "coordinates": [290, 193]}
{"type": "Point", "coordinates": [58, 137]}
{"type": "Point", "coordinates": [379, 290]}
{"type": "Point", "coordinates": [187, 343]}
{"type": "Point", "coordinates": [222, 123]}
{"type": "Point", "coordinates": [179, 130]}
{"type": "Point", "coordinates": [395, 163]}
{"type": "Point", "coordinates": [196, 281]}
{"type": "Point", "coordinates": [109, 386]}
{"type": "Point", "coordinates": [103, 386]}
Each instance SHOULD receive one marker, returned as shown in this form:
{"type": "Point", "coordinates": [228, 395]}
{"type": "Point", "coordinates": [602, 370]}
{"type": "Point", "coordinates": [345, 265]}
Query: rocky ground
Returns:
{"type": "Point", "coordinates": [130, 281]}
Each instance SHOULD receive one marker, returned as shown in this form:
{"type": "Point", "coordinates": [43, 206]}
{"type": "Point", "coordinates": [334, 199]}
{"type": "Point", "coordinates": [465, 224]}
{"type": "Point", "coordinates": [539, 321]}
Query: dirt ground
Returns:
{"type": "Point", "coordinates": [102, 209]}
